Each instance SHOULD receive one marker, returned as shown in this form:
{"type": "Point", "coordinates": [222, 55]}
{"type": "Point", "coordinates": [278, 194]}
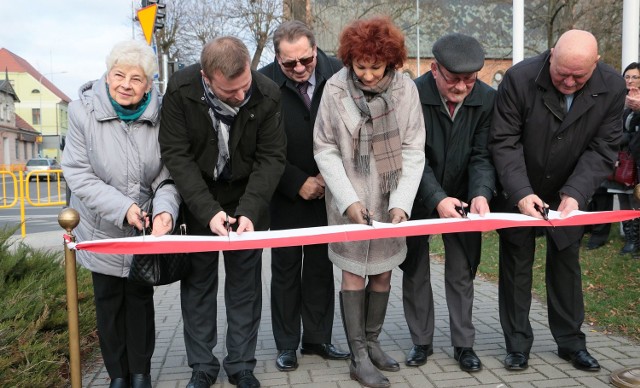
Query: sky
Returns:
{"type": "Point", "coordinates": [66, 40]}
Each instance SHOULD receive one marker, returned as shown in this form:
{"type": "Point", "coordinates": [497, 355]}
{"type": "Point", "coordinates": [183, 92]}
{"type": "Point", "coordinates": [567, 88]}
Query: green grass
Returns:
{"type": "Point", "coordinates": [610, 281]}
{"type": "Point", "coordinates": [34, 341]}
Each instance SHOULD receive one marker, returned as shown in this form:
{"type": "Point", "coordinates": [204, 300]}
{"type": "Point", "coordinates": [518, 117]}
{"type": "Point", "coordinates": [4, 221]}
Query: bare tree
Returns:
{"type": "Point", "coordinates": [256, 20]}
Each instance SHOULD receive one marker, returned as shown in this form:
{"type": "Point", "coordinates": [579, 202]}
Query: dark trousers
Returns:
{"type": "Point", "coordinates": [301, 287]}
{"type": "Point", "coordinates": [564, 291]}
{"type": "Point", "coordinates": [600, 201]}
{"type": "Point", "coordinates": [243, 301]}
{"type": "Point", "coordinates": [126, 325]}
{"type": "Point", "coordinates": [417, 295]}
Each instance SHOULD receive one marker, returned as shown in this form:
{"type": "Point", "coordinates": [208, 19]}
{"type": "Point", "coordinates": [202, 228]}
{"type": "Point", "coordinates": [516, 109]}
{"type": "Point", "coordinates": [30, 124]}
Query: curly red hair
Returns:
{"type": "Point", "coordinates": [373, 40]}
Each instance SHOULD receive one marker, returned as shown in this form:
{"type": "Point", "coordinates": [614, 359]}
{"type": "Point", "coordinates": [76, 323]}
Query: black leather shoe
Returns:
{"type": "Point", "coordinates": [139, 380]}
{"type": "Point", "coordinates": [287, 360]}
{"type": "Point", "coordinates": [418, 355]}
{"type": "Point", "coordinates": [326, 351]}
{"type": "Point", "coordinates": [244, 379]}
{"type": "Point", "coordinates": [467, 358]}
{"type": "Point", "coordinates": [119, 382]}
{"type": "Point", "coordinates": [581, 359]}
{"type": "Point", "coordinates": [516, 361]}
{"type": "Point", "coordinates": [200, 379]}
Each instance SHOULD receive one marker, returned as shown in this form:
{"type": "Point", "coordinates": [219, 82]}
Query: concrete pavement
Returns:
{"type": "Point", "coordinates": [169, 367]}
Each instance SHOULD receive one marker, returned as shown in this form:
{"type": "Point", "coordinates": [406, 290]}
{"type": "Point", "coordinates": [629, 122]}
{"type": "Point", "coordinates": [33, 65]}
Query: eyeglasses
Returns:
{"type": "Point", "coordinates": [633, 77]}
{"type": "Point", "coordinates": [468, 80]}
{"type": "Point", "coordinates": [303, 61]}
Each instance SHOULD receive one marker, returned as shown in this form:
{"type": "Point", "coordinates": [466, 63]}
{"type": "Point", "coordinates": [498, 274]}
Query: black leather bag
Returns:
{"type": "Point", "coordinates": [161, 268]}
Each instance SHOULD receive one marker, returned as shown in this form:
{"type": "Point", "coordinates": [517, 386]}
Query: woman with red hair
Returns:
{"type": "Point", "coordinates": [369, 145]}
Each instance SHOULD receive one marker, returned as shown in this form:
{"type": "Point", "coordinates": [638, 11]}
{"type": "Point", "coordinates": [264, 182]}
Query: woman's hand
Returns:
{"type": "Point", "coordinates": [162, 224]}
{"type": "Point", "coordinates": [397, 215]}
{"type": "Point", "coordinates": [357, 213]}
{"type": "Point", "coordinates": [135, 217]}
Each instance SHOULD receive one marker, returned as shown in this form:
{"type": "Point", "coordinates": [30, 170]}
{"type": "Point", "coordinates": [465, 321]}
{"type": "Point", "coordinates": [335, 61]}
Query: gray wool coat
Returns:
{"type": "Point", "coordinates": [337, 120]}
{"type": "Point", "coordinates": [109, 165]}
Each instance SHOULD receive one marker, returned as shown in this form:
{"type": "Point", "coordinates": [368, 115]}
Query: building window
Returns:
{"type": "Point", "coordinates": [33, 150]}
{"type": "Point", "coordinates": [35, 116]}
{"type": "Point", "coordinates": [17, 149]}
{"type": "Point", "coordinates": [25, 149]}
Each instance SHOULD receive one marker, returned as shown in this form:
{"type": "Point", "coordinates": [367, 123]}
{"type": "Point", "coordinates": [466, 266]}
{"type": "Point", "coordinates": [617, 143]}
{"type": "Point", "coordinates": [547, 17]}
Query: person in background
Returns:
{"type": "Point", "coordinates": [457, 110]}
{"type": "Point", "coordinates": [111, 164]}
{"type": "Point", "coordinates": [301, 277]}
{"type": "Point", "coordinates": [223, 141]}
{"type": "Point", "coordinates": [554, 138]}
{"type": "Point", "coordinates": [369, 145]}
{"type": "Point", "coordinates": [630, 142]}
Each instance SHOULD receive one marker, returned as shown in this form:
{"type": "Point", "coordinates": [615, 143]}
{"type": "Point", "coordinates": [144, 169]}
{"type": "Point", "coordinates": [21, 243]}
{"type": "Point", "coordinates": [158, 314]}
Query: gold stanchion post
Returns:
{"type": "Point", "coordinates": [627, 377]}
{"type": "Point", "coordinates": [68, 220]}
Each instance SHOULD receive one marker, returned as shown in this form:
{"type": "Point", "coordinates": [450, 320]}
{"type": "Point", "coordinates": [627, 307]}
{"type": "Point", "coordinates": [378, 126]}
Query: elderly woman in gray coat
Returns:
{"type": "Point", "coordinates": [369, 145]}
{"type": "Point", "coordinates": [112, 163]}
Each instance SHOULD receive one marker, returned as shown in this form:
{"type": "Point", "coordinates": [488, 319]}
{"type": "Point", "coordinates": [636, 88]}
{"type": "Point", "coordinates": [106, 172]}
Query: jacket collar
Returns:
{"type": "Point", "coordinates": [583, 99]}
{"type": "Point", "coordinates": [96, 95]}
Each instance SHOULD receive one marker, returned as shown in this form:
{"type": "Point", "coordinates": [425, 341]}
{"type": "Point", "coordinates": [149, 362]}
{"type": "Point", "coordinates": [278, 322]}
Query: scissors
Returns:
{"type": "Point", "coordinates": [544, 210]}
{"type": "Point", "coordinates": [367, 216]}
{"type": "Point", "coordinates": [227, 225]}
{"type": "Point", "coordinates": [462, 210]}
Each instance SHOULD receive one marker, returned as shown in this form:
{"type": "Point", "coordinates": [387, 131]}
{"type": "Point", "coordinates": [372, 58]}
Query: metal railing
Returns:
{"type": "Point", "coordinates": [49, 196]}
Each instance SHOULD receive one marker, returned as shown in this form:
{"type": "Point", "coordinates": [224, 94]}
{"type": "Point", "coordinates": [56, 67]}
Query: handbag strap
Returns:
{"type": "Point", "coordinates": [167, 181]}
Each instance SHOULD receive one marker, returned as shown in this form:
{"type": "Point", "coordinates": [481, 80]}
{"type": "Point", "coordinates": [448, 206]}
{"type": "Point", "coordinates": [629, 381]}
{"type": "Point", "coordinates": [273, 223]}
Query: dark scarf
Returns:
{"type": "Point", "coordinates": [382, 136]}
{"type": "Point", "coordinates": [128, 115]}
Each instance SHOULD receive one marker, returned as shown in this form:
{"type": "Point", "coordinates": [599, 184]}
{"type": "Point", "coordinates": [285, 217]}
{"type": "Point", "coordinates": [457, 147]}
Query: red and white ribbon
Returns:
{"type": "Point", "coordinates": [341, 233]}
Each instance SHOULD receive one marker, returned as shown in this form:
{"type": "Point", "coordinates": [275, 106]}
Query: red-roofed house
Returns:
{"type": "Point", "coordinates": [19, 138]}
{"type": "Point", "coordinates": [42, 105]}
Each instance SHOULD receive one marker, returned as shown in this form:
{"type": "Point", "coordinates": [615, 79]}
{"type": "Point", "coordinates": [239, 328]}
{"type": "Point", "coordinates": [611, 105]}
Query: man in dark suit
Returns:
{"type": "Point", "coordinates": [554, 138]}
{"type": "Point", "coordinates": [223, 142]}
{"type": "Point", "coordinates": [302, 277]}
{"type": "Point", "coordinates": [457, 110]}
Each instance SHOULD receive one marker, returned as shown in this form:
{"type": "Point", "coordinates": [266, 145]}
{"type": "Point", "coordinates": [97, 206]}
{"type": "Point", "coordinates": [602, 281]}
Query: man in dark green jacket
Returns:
{"type": "Point", "coordinates": [223, 141]}
{"type": "Point", "coordinates": [457, 110]}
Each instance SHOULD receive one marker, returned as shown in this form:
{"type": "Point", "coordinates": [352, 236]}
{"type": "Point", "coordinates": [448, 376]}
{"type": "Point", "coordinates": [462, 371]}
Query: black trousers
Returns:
{"type": "Point", "coordinates": [126, 325]}
{"type": "Point", "coordinates": [600, 201]}
{"type": "Point", "coordinates": [301, 288]}
{"type": "Point", "coordinates": [243, 302]}
{"type": "Point", "coordinates": [564, 291]}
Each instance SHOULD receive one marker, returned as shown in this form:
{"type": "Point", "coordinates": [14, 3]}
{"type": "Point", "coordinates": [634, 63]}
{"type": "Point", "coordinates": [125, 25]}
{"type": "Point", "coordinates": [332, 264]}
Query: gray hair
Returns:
{"type": "Point", "coordinates": [226, 54]}
{"type": "Point", "coordinates": [290, 31]}
{"type": "Point", "coordinates": [134, 53]}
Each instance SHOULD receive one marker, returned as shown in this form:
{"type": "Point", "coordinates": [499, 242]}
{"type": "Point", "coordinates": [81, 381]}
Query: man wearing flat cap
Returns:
{"type": "Point", "coordinates": [458, 178]}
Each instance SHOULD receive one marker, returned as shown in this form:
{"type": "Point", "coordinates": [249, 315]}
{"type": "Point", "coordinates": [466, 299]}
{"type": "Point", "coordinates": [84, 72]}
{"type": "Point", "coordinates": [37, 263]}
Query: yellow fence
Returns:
{"type": "Point", "coordinates": [16, 191]}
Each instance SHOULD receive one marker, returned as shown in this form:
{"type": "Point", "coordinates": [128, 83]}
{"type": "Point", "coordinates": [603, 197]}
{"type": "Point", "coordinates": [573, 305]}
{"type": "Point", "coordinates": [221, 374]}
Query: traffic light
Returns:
{"type": "Point", "coordinates": [160, 13]}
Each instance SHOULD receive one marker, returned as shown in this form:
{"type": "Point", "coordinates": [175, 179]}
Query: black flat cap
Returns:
{"type": "Point", "coordinates": [459, 53]}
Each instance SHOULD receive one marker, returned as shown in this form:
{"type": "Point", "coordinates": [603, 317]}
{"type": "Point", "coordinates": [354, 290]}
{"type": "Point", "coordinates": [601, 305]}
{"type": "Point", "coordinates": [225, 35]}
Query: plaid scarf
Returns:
{"type": "Point", "coordinates": [383, 135]}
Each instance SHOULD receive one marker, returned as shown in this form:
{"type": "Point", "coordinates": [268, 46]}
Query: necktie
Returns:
{"type": "Point", "coordinates": [452, 107]}
{"type": "Point", "coordinates": [302, 88]}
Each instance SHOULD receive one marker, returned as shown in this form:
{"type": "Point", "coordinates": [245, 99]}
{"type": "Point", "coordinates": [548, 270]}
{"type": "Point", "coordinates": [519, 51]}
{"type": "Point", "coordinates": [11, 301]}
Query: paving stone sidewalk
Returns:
{"type": "Point", "coordinates": [169, 368]}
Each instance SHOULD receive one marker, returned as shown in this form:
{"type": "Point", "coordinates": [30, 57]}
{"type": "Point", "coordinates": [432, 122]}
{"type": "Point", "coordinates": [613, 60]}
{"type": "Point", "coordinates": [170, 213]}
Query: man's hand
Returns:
{"type": "Point", "coordinates": [312, 188]}
{"type": "Point", "coordinates": [527, 206]}
{"type": "Point", "coordinates": [244, 225]}
{"type": "Point", "coordinates": [567, 205]}
{"type": "Point", "coordinates": [135, 217]}
{"type": "Point", "coordinates": [162, 224]}
{"type": "Point", "coordinates": [447, 207]}
{"type": "Point", "coordinates": [397, 215]}
{"type": "Point", "coordinates": [218, 223]}
{"type": "Point", "coordinates": [479, 205]}
{"type": "Point", "coordinates": [356, 213]}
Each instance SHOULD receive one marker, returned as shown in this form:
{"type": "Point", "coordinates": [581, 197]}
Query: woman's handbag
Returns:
{"type": "Point", "coordinates": [626, 172]}
{"type": "Point", "coordinates": [161, 268]}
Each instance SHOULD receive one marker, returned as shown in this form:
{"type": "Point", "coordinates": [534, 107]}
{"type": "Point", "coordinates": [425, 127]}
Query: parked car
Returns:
{"type": "Point", "coordinates": [43, 164]}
